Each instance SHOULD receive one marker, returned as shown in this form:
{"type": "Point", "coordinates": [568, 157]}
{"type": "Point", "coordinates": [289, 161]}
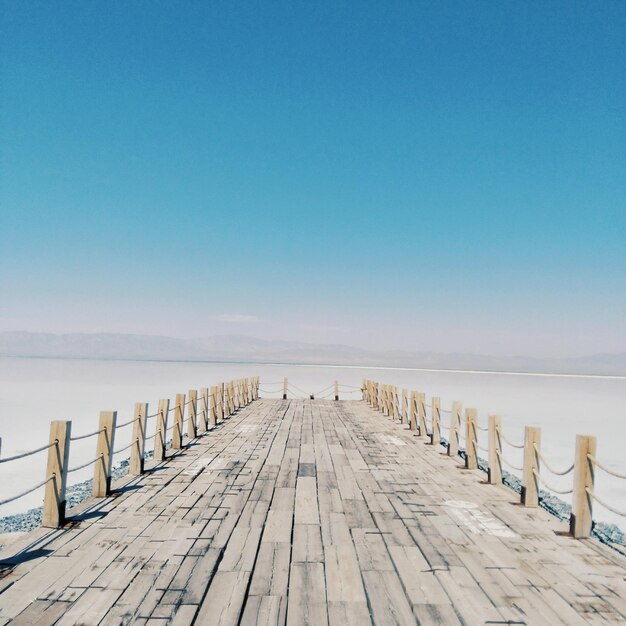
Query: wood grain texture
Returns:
{"type": "Point", "coordinates": [310, 512]}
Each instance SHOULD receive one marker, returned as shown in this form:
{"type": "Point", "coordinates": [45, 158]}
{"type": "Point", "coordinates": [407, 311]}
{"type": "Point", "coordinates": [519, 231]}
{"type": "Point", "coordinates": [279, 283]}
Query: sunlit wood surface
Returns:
{"type": "Point", "coordinates": [310, 512]}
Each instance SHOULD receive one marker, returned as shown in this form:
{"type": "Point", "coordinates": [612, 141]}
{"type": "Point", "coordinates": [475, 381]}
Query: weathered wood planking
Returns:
{"type": "Point", "coordinates": [310, 512]}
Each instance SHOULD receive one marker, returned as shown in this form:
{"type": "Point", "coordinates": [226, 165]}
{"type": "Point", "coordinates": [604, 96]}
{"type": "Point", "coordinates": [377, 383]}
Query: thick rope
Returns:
{"type": "Point", "coordinates": [132, 443]}
{"type": "Point", "coordinates": [75, 469]}
{"type": "Point", "coordinates": [605, 504]}
{"type": "Point", "coordinates": [127, 423]}
{"type": "Point", "coordinates": [502, 459]}
{"type": "Point", "coordinates": [93, 434]}
{"type": "Point", "coordinates": [550, 487]}
{"type": "Point", "coordinates": [513, 445]}
{"type": "Point", "coordinates": [29, 453]}
{"type": "Point", "coordinates": [605, 468]}
{"type": "Point", "coordinates": [25, 493]}
{"type": "Point", "coordinates": [549, 468]}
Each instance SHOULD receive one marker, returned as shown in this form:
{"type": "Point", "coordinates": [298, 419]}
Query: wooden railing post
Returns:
{"type": "Point", "coordinates": [221, 412]}
{"type": "Point", "coordinates": [104, 454]}
{"type": "Point", "coordinates": [581, 518]}
{"type": "Point", "coordinates": [471, 439]}
{"type": "Point", "coordinates": [204, 410]}
{"type": "Point", "coordinates": [413, 411]}
{"type": "Point", "coordinates": [494, 475]}
{"type": "Point", "coordinates": [435, 435]}
{"type": "Point", "coordinates": [192, 427]}
{"type": "Point", "coordinates": [376, 397]}
{"type": "Point", "coordinates": [530, 483]}
{"type": "Point", "coordinates": [179, 413]}
{"type": "Point", "coordinates": [395, 403]}
{"type": "Point", "coordinates": [161, 430]}
{"type": "Point", "coordinates": [213, 406]}
{"type": "Point", "coordinates": [455, 422]}
{"type": "Point", "coordinates": [336, 390]}
{"type": "Point", "coordinates": [53, 515]}
{"type": "Point", "coordinates": [285, 387]}
{"type": "Point", "coordinates": [138, 449]}
{"type": "Point", "coordinates": [364, 391]}
{"type": "Point", "coordinates": [404, 415]}
{"type": "Point", "coordinates": [421, 413]}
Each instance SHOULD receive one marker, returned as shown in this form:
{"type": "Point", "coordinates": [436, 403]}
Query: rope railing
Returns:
{"type": "Point", "coordinates": [549, 467]}
{"type": "Point", "coordinates": [84, 465]}
{"type": "Point", "coordinates": [128, 423]}
{"type": "Point", "coordinates": [604, 503]}
{"type": "Point", "coordinates": [549, 487]}
{"type": "Point", "coordinates": [130, 445]}
{"type": "Point", "coordinates": [605, 468]}
{"type": "Point", "coordinates": [383, 397]}
{"type": "Point", "coordinates": [507, 462]}
{"type": "Point", "coordinates": [25, 493]}
{"type": "Point", "coordinates": [508, 441]}
{"type": "Point", "coordinates": [88, 435]}
{"type": "Point", "coordinates": [23, 455]}
{"type": "Point", "coordinates": [236, 393]}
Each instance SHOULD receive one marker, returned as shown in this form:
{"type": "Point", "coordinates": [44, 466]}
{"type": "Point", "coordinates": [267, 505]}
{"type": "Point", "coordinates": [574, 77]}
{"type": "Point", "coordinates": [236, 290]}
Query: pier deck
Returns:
{"type": "Point", "coordinates": [310, 512]}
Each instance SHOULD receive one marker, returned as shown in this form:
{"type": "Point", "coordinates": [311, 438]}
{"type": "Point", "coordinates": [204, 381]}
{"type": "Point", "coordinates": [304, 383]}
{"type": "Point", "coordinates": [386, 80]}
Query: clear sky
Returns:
{"type": "Point", "coordinates": [445, 176]}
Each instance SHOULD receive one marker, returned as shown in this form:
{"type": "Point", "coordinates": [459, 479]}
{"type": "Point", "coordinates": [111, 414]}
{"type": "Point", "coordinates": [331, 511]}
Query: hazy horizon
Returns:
{"type": "Point", "coordinates": [242, 348]}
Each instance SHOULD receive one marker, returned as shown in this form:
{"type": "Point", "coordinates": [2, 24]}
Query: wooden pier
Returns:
{"type": "Point", "coordinates": [310, 512]}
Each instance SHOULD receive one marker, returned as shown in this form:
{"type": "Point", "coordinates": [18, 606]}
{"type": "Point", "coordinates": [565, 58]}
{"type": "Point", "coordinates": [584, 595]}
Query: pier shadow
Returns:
{"type": "Point", "coordinates": [7, 565]}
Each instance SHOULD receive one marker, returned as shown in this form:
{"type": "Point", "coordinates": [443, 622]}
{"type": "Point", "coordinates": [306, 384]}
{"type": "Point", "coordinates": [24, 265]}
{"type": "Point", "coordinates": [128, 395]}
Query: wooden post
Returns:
{"type": "Point", "coordinates": [161, 430]}
{"type": "Point", "coordinates": [104, 454]}
{"type": "Point", "coordinates": [213, 407]}
{"type": "Point", "coordinates": [285, 387]}
{"type": "Point", "coordinates": [364, 390]}
{"type": "Point", "coordinates": [530, 483]}
{"type": "Point", "coordinates": [394, 403]}
{"type": "Point", "coordinates": [221, 395]}
{"type": "Point", "coordinates": [435, 435]}
{"type": "Point", "coordinates": [494, 475]}
{"type": "Point", "coordinates": [375, 398]}
{"type": "Point", "coordinates": [204, 410]}
{"type": "Point", "coordinates": [581, 518]}
{"type": "Point", "coordinates": [139, 439]}
{"type": "Point", "coordinates": [404, 416]}
{"type": "Point", "coordinates": [53, 515]}
{"type": "Point", "coordinates": [231, 398]}
{"type": "Point", "coordinates": [412, 411]}
{"type": "Point", "coordinates": [336, 390]}
{"type": "Point", "coordinates": [421, 413]}
{"type": "Point", "coordinates": [179, 412]}
{"type": "Point", "coordinates": [455, 422]}
{"type": "Point", "coordinates": [471, 439]}
{"type": "Point", "coordinates": [192, 428]}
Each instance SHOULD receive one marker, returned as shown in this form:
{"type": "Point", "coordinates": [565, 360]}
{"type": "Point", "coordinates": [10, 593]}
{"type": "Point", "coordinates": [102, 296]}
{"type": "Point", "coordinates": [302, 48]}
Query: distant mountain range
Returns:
{"type": "Point", "coordinates": [237, 348]}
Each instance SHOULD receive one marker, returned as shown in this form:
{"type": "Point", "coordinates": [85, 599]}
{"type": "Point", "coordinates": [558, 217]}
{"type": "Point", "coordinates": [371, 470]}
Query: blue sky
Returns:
{"type": "Point", "coordinates": [443, 176]}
